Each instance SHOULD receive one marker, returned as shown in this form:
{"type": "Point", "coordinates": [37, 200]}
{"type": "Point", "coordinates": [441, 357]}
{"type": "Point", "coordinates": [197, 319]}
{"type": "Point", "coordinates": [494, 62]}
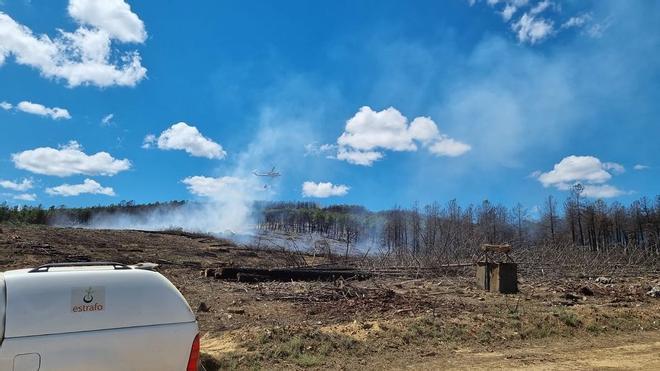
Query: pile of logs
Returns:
{"type": "Point", "coordinates": [243, 274]}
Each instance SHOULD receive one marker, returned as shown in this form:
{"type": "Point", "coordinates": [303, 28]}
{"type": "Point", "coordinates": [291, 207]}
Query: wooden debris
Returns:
{"type": "Point", "coordinates": [654, 292]}
{"type": "Point", "coordinates": [208, 272]}
{"type": "Point", "coordinates": [203, 307]}
{"type": "Point", "coordinates": [325, 292]}
{"type": "Point", "coordinates": [287, 274]}
{"type": "Point", "coordinates": [252, 278]}
{"type": "Point", "coordinates": [504, 249]}
{"type": "Point", "coordinates": [584, 290]}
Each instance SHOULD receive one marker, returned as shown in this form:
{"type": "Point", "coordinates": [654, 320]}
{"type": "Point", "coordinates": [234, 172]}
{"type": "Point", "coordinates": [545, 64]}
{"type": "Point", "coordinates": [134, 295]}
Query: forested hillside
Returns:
{"type": "Point", "coordinates": [438, 230]}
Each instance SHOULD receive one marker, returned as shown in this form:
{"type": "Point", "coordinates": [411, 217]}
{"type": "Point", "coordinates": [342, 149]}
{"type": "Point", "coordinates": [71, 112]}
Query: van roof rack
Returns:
{"type": "Point", "coordinates": [145, 266]}
{"type": "Point", "coordinates": [46, 267]}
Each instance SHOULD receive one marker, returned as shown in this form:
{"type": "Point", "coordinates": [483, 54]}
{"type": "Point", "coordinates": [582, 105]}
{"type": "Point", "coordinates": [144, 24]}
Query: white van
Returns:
{"type": "Point", "coordinates": [94, 316]}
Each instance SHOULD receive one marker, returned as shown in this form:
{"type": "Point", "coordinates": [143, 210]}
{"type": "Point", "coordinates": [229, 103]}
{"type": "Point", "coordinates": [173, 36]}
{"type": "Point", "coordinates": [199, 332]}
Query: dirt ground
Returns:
{"type": "Point", "coordinates": [640, 351]}
{"type": "Point", "coordinates": [441, 322]}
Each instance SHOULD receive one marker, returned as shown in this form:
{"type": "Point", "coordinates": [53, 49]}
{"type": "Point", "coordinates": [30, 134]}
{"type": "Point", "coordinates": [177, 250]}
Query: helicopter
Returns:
{"type": "Point", "coordinates": [272, 174]}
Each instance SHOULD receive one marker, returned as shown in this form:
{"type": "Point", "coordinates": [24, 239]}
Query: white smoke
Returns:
{"type": "Point", "coordinates": [225, 204]}
{"type": "Point", "coordinates": [225, 207]}
{"type": "Point", "coordinates": [217, 218]}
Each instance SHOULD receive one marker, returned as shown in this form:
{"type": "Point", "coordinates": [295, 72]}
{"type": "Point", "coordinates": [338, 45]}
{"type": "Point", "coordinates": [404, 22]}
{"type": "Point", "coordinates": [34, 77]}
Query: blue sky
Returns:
{"type": "Point", "coordinates": [391, 102]}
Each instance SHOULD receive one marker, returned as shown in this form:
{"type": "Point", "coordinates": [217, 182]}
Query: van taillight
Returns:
{"type": "Point", "coordinates": [193, 360]}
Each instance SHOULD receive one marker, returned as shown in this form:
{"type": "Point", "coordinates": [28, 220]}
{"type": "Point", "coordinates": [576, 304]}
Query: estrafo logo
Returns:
{"type": "Point", "coordinates": [87, 299]}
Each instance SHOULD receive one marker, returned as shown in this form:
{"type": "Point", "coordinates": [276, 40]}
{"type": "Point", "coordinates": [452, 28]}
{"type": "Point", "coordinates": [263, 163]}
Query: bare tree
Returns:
{"type": "Point", "coordinates": [519, 213]}
{"type": "Point", "coordinates": [431, 227]}
{"type": "Point", "coordinates": [415, 229]}
{"type": "Point", "coordinates": [550, 215]}
{"type": "Point", "coordinates": [577, 192]}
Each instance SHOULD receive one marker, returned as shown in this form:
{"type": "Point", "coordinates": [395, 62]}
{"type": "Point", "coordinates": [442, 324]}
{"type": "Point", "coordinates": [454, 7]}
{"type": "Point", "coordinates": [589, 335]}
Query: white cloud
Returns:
{"type": "Point", "coordinates": [614, 167]}
{"type": "Point", "coordinates": [424, 130]}
{"type": "Point", "coordinates": [314, 149]}
{"type": "Point", "coordinates": [24, 185]}
{"type": "Point", "coordinates": [56, 113]}
{"type": "Point", "coordinates": [583, 169]}
{"type": "Point", "coordinates": [364, 158]}
{"type": "Point", "coordinates": [596, 30]}
{"type": "Point", "coordinates": [535, 174]}
{"type": "Point", "coordinates": [182, 136]}
{"type": "Point", "coordinates": [530, 27]}
{"type": "Point", "coordinates": [6, 105]}
{"type": "Point", "coordinates": [448, 147]}
{"type": "Point", "coordinates": [540, 7]}
{"type": "Point", "coordinates": [602, 191]}
{"type": "Point", "coordinates": [113, 16]}
{"type": "Point", "coordinates": [508, 12]}
{"type": "Point", "coordinates": [107, 119]}
{"type": "Point", "coordinates": [25, 197]}
{"type": "Point", "coordinates": [68, 160]}
{"type": "Point", "coordinates": [323, 190]}
{"type": "Point", "coordinates": [325, 148]}
{"type": "Point", "coordinates": [576, 169]}
{"type": "Point", "coordinates": [149, 141]}
{"type": "Point", "coordinates": [216, 188]}
{"type": "Point", "coordinates": [88, 186]}
{"type": "Point", "coordinates": [85, 56]}
{"type": "Point", "coordinates": [640, 167]}
{"type": "Point", "coordinates": [369, 132]}
{"type": "Point", "coordinates": [531, 30]}
{"type": "Point", "coordinates": [577, 21]}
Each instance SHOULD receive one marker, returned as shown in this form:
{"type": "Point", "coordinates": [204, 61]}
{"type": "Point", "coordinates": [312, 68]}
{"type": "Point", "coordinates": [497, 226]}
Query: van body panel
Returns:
{"type": "Point", "coordinates": [55, 302]}
{"type": "Point", "coordinates": [159, 347]}
{"type": "Point", "coordinates": [27, 362]}
{"type": "Point", "coordinates": [3, 307]}
{"type": "Point", "coordinates": [93, 318]}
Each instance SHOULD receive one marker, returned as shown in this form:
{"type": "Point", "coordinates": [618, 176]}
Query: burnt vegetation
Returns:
{"type": "Point", "coordinates": [580, 236]}
{"type": "Point", "coordinates": [588, 236]}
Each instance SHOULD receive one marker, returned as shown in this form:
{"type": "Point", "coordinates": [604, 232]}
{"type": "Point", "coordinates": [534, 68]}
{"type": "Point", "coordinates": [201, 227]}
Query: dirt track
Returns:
{"type": "Point", "coordinates": [629, 352]}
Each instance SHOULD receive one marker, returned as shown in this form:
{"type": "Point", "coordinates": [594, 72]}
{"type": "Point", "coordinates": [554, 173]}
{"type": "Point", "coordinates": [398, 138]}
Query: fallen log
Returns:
{"type": "Point", "coordinates": [230, 273]}
{"type": "Point", "coordinates": [251, 278]}
{"type": "Point", "coordinates": [244, 274]}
